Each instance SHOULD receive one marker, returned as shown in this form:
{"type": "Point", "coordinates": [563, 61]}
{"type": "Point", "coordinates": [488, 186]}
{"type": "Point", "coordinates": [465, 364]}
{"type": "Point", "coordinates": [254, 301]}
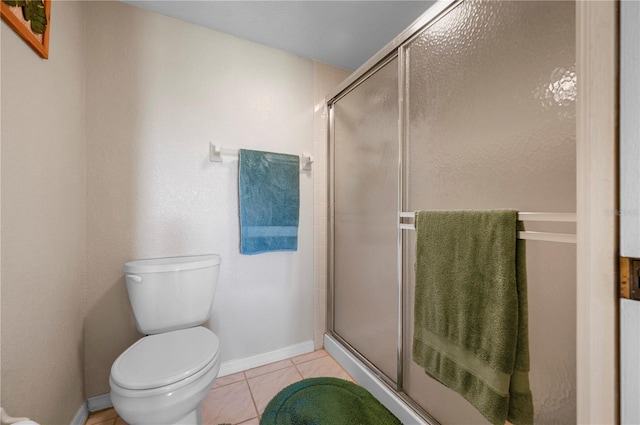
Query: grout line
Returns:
{"type": "Point", "coordinates": [315, 358]}
{"type": "Point", "coordinates": [298, 370]}
{"type": "Point", "coordinates": [223, 385]}
{"type": "Point", "coordinates": [230, 383]}
{"type": "Point", "coordinates": [255, 405]}
{"type": "Point", "coordinates": [275, 370]}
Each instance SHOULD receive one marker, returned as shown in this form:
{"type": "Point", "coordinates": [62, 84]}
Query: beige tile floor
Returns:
{"type": "Point", "coordinates": [241, 398]}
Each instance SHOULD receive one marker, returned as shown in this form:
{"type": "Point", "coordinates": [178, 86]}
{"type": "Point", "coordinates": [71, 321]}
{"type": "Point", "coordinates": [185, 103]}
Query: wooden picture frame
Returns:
{"type": "Point", "coordinates": [13, 16]}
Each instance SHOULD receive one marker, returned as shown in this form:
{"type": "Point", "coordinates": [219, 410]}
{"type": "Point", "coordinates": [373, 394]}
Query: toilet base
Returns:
{"type": "Point", "coordinates": [193, 418]}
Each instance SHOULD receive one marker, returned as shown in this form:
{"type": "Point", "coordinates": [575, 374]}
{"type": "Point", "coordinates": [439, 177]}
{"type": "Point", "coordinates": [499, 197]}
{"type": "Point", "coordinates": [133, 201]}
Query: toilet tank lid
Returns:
{"type": "Point", "coordinates": [162, 359]}
{"type": "Point", "coordinates": [171, 264]}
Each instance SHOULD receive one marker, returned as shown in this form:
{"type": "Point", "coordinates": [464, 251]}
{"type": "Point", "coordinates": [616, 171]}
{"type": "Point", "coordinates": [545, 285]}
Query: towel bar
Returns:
{"type": "Point", "coordinates": [216, 152]}
{"type": "Point", "coordinates": [523, 216]}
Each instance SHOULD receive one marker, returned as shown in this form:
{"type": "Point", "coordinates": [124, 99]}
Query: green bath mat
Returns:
{"type": "Point", "coordinates": [326, 401]}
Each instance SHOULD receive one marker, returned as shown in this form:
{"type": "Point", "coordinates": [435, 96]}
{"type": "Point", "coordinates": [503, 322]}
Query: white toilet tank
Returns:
{"type": "Point", "coordinates": [172, 293]}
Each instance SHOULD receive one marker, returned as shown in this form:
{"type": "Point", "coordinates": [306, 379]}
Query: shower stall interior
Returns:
{"type": "Point", "coordinates": [472, 107]}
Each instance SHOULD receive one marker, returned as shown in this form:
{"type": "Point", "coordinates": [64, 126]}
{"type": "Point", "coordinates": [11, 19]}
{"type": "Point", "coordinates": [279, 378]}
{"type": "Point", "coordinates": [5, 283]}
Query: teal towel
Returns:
{"type": "Point", "coordinates": [269, 197]}
{"type": "Point", "coordinates": [470, 328]}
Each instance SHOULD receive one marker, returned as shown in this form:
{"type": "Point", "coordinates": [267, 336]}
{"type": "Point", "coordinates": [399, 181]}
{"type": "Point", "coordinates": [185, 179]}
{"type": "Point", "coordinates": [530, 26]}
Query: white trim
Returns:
{"type": "Point", "coordinates": [629, 355]}
{"type": "Point", "coordinates": [103, 401]}
{"type": "Point", "coordinates": [371, 383]}
{"type": "Point", "coordinates": [81, 416]}
{"type": "Point", "coordinates": [596, 303]}
{"type": "Point", "coordinates": [239, 365]}
{"type": "Point", "coordinates": [629, 130]}
{"type": "Point", "coordinates": [99, 402]}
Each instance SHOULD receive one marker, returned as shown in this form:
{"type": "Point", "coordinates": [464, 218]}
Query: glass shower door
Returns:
{"type": "Point", "coordinates": [365, 256]}
{"type": "Point", "coordinates": [490, 124]}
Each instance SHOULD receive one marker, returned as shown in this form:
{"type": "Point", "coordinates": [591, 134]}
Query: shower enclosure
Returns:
{"type": "Point", "coordinates": [472, 107]}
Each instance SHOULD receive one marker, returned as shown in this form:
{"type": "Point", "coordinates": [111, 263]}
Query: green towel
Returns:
{"type": "Point", "coordinates": [470, 329]}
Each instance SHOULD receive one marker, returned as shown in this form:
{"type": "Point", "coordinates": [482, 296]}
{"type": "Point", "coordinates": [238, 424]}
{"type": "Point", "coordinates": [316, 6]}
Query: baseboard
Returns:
{"type": "Point", "coordinates": [103, 401]}
{"type": "Point", "coordinates": [233, 366]}
{"type": "Point", "coordinates": [99, 402]}
{"type": "Point", "coordinates": [371, 383]}
{"type": "Point", "coordinates": [81, 416]}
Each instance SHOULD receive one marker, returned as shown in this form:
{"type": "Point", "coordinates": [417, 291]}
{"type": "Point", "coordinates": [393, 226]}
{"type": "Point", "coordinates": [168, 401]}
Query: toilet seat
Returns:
{"type": "Point", "coordinates": [162, 360]}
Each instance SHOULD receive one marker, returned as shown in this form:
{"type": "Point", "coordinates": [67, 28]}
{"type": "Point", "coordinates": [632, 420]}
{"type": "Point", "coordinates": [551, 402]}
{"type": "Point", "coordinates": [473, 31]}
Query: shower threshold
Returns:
{"type": "Point", "coordinates": [392, 400]}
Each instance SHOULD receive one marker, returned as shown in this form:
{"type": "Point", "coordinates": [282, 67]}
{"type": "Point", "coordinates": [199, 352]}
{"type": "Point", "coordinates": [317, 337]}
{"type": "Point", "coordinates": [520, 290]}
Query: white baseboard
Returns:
{"type": "Point", "coordinates": [233, 366]}
{"type": "Point", "coordinates": [99, 402]}
{"type": "Point", "coordinates": [103, 401]}
{"type": "Point", "coordinates": [81, 416]}
{"type": "Point", "coordinates": [371, 383]}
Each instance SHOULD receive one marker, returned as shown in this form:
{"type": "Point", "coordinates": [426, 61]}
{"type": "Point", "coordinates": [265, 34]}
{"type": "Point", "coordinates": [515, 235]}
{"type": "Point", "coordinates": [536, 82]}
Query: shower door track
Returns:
{"type": "Point", "coordinates": [386, 381]}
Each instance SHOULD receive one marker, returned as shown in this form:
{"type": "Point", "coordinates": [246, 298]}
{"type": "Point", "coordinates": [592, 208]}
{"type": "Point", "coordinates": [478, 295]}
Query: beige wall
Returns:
{"type": "Point", "coordinates": [43, 221]}
{"type": "Point", "coordinates": [121, 172]}
{"type": "Point", "coordinates": [158, 91]}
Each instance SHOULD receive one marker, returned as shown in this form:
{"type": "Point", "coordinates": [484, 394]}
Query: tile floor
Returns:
{"type": "Point", "coordinates": [241, 398]}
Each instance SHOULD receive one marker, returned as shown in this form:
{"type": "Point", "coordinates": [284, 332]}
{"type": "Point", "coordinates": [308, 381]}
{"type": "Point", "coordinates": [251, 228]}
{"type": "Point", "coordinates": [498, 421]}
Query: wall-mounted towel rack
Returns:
{"type": "Point", "coordinates": [523, 216]}
{"type": "Point", "coordinates": [216, 152]}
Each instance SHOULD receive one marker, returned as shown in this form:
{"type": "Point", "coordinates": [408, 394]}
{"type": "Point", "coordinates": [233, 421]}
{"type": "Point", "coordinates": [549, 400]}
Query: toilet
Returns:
{"type": "Point", "coordinates": [164, 376]}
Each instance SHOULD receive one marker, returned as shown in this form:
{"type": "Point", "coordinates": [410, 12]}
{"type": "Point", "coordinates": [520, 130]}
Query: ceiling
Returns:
{"type": "Point", "coordinates": [340, 33]}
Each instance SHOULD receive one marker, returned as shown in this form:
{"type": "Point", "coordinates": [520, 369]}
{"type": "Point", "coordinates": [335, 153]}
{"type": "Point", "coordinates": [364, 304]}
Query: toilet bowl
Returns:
{"type": "Point", "coordinates": [163, 378]}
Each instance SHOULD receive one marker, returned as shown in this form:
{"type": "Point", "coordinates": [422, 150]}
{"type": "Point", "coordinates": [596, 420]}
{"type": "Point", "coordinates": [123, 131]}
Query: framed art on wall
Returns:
{"type": "Point", "coordinates": [30, 19]}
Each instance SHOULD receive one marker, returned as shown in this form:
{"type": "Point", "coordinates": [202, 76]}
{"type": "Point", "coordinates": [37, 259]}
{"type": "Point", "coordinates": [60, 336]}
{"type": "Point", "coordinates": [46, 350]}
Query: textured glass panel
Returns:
{"type": "Point", "coordinates": [366, 205]}
{"type": "Point", "coordinates": [491, 124]}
